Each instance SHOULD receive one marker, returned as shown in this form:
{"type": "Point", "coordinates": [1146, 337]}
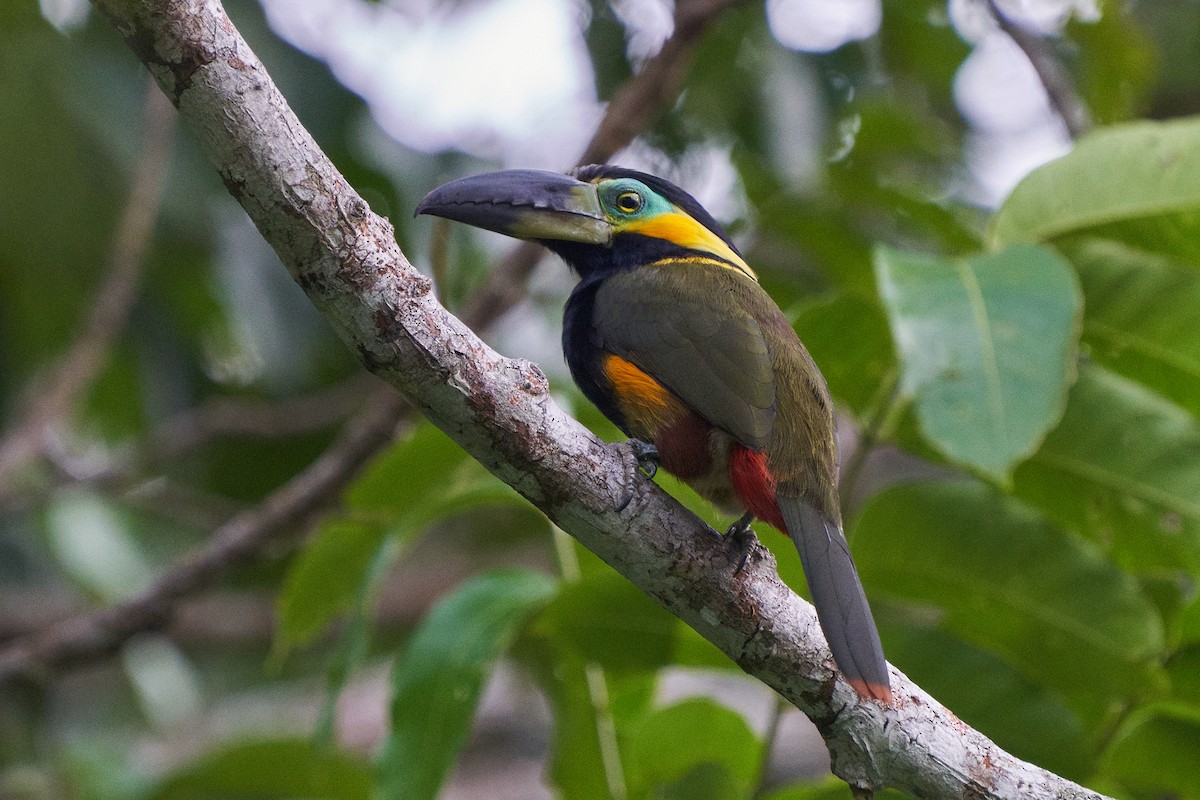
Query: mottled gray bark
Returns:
{"type": "Point", "coordinates": [499, 409]}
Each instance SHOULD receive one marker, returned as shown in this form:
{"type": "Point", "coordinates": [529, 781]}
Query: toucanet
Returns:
{"type": "Point", "coordinates": [670, 334]}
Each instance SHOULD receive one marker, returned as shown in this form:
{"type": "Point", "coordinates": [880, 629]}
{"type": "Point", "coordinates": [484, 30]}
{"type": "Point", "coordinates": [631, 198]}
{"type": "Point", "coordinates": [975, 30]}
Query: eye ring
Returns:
{"type": "Point", "coordinates": [629, 202]}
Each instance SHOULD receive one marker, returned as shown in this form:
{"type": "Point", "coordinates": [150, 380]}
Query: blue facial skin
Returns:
{"type": "Point", "coordinates": [627, 199]}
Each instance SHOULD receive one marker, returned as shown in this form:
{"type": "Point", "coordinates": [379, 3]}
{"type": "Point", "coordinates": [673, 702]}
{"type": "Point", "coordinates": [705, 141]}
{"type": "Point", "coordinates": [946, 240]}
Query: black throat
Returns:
{"type": "Point", "coordinates": [628, 251]}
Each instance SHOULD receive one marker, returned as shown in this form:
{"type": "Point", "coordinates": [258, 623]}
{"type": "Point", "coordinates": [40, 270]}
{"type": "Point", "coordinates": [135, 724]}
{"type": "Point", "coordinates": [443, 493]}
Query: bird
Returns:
{"type": "Point", "coordinates": [669, 333]}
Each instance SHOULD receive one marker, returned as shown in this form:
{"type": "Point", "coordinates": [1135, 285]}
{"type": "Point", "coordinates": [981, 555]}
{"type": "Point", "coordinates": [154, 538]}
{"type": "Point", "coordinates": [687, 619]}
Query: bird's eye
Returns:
{"type": "Point", "coordinates": [629, 202]}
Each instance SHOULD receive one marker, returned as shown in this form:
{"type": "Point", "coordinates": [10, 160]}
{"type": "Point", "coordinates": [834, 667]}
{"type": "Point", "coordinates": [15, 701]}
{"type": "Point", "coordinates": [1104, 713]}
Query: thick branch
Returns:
{"type": "Point", "coordinates": [500, 411]}
{"type": "Point", "coordinates": [91, 633]}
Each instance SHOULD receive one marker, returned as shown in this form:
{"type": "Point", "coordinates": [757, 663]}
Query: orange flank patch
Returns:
{"type": "Point", "coordinates": [645, 402]}
{"type": "Point", "coordinates": [678, 228]}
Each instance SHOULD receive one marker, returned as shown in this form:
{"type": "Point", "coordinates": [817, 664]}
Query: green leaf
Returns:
{"type": "Point", "coordinates": [577, 761]}
{"type": "Point", "coordinates": [854, 366]}
{"type": "Point", "coordinates": [1189, 622]}
{"type": "Point", "coordinates": [423, 478]}
{"type": "Point", "coordinates": [94, 544]}
{"type": "Point", "coordinates": [95, 769]}
{"type": "Point", "coordinates": [1122, 467]}
{"type": "Point", "coordinates": [605, 619]}
{"type": "Point", "coordinates": [693, 650]}
{"type": "Point", "coordinates": [1184, 671]}
{"type": "Point", "coordinates": [325, 578]}
{"type": "Point", "coordinates": [672, 742]}
{"type": "Point", "coordinates": [987, 693]}
{"type": "Point", "coordinates": [283, 768]}
{"type": "Point", "coordinates": [1139, 317]}
{"type": "Point", "coordinates": [819, 228]}
{"type": "Point", "coordinates": [589, 704]}
{"type": "Point", "coordinates": [919, 43]}
{"type": "Point", "coordinates": [1115, 64]}
{"type": "Point", "coordinates": [715, 518]}
{"type": "Point", "coordinates": [986, 346]}
{"type": "Point", "coordinates": [1155, 752]}
{"type": "Point", "coordinates": [351, 652]}
{"type": "Point", "coordinates": [1133, 171]}
{"type": "Point", "coordinates": [998, 576]}
{"type": "Point", "coordinates": [437, 682]}
{"type": "Point", "coordinates": [590, 708]}
{"type": "Point", "coordinates": [829, 789]}
{"type": "Point", "coordinates": [707, 781]}
{"type": "Point", "coordinates": [54, 171]}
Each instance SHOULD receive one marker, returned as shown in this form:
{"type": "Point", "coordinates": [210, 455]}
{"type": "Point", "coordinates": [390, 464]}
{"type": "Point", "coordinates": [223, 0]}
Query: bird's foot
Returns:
{"type": "Point", "coordinates": [638, 456]}
{"type": "Point", "coordinates": [646, 455]}
{"type": "Point", "coordinates": [741, 540]}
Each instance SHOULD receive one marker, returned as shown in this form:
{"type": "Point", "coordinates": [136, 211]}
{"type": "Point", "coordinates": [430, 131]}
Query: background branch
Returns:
{"type": "Point", "coordinates": [89, 350]}
{"type": "Point", "coordinates": [93, 633]}
{"type": "Point", "coordinates": [500, 411]}
{"type": "Point", "coordinates": [291, 507]}
{"type": "Point", "coordinates": [227, 417]}
{"type": "Point", "coordinates": [1050, 71]}
{"type": "Point", "coordinates": [634, 106]}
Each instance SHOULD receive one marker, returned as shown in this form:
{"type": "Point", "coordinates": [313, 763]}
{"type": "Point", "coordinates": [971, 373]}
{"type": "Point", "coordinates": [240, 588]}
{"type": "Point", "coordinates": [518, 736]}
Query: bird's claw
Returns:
{"type": "Point", "coordinates": [646, 455]}
{"type": "Point", "coordinates": [638, 456]}
{"type": "Point", "coordinates": [741, 540]}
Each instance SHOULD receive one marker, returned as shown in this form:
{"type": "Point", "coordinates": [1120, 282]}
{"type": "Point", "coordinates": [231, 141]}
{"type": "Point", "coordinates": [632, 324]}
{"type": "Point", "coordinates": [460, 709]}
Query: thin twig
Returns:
{"type": "Point", "coordinates": [595, 679]}
{"type": "Point", "coordinates": [89, 350]}
{"type": "Point", "coordinates": [1050, 71]}
{"type": "Point", "coordinates": [657, 85]}
{"type": "Point", "coordinates": [157, 495]}
{"type": "Point", "coordinates": [881, 418]}
{"type": "Point", "coordinates": [292, 507]}
{"type": "Point", "coordinates": [226, 417]}
{"type": "Point", "coordinates": [770, 738]}
{"type": "Point", "coordinates": [633, 107]}
{"type": "Point", "coordinates": [125, 472]}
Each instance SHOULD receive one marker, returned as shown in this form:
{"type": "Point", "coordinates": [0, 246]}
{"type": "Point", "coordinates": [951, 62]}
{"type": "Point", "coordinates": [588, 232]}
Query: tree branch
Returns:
{"type": "Point", "coordinates": [1050, 72]}
{"type": "Point", "coordinates": [89, 350]}
{"type": "Point", "coordinates": [657, 85]}
{"type": "Point", "coordinates": [633, 107]}
{"type": "Point", "coordinates": [92, 633]}
{"type": "Point", "coordinates": [292, 506]}
{"type": "Point", "coordinates": [500, 411]}
{"type": "Point", "coordinates": [226, 417]}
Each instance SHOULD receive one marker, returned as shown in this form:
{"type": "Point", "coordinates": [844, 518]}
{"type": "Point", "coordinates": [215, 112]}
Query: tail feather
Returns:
{"type": "Point", "coordinates": [838, 596]}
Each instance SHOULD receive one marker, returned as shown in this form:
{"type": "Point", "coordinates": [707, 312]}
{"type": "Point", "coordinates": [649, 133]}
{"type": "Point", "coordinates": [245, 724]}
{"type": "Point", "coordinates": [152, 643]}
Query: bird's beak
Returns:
{"type": "Point", "coordinates": [524, 203]}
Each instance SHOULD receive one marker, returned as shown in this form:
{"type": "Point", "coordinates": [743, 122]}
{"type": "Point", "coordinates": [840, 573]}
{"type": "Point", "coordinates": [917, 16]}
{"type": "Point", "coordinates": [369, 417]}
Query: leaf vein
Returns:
{"type": "Point", "coordinates": [1114, 480]}
{"type": "Point", "coordinates": [987, 346]}
{"type": "Point", "coordinates": [1142, 345]}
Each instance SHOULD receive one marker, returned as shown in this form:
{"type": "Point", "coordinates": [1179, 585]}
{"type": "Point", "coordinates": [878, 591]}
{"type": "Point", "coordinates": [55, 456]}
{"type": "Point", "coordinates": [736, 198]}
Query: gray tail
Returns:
{"type": "Point", "coordinates": [838, 596]}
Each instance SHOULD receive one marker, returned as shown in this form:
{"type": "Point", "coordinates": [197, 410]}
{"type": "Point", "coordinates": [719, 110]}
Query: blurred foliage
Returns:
{"type": "Point", "coordinates": [1041, 360]}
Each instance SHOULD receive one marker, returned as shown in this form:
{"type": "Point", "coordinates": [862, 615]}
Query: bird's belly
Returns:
{"type": "Point", "coordinates": [708, 459]}
{"type": "Point", "coordinates": [728, 474]}
{"type": "Point", "coordinates": [698, 454]}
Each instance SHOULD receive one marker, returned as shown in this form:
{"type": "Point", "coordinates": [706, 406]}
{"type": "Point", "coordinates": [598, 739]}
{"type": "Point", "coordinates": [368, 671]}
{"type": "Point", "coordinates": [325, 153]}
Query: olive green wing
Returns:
{"type": "Point", "coordinates": [689, 327]}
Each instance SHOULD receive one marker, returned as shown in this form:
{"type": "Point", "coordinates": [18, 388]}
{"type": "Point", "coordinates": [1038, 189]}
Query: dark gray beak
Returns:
{"type": "Point", "coordinates": [524, 203]}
